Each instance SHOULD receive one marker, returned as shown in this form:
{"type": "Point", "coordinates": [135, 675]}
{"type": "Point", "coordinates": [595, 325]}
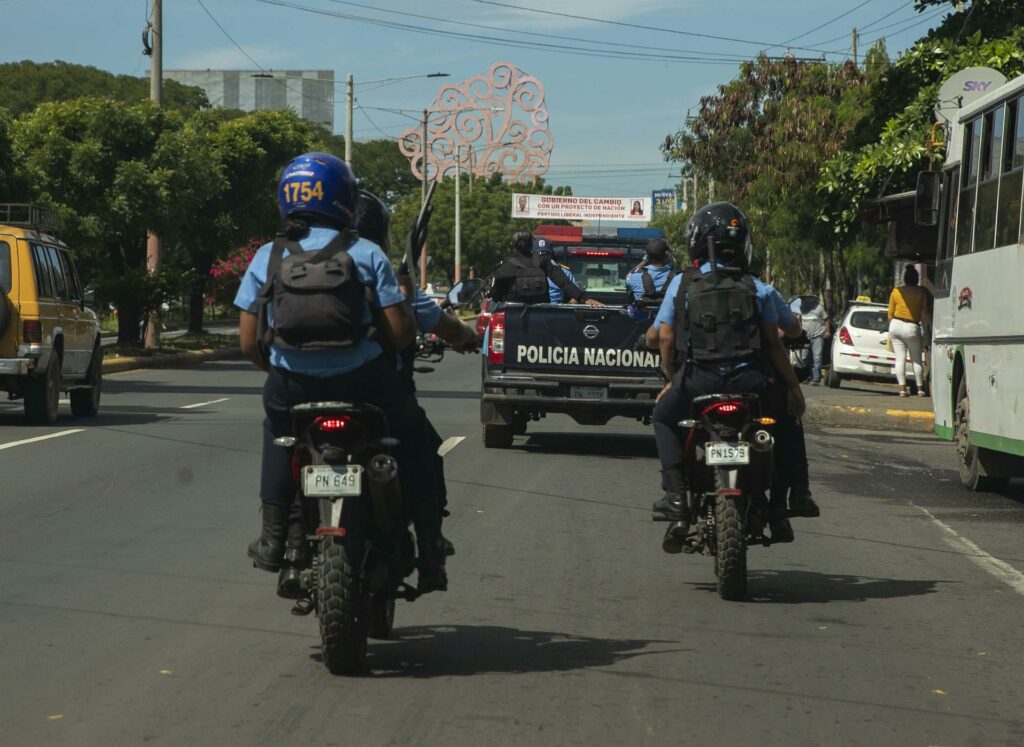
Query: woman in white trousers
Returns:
{"type": "Point", "coordinates": [908, 304]}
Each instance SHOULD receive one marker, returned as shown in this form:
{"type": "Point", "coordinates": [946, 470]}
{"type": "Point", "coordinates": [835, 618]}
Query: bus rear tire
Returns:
{"type": "Point", "coordinates": [972, 475]}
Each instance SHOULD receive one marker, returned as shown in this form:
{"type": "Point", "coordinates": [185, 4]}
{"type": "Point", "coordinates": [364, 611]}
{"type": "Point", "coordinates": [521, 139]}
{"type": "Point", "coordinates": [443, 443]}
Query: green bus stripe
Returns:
{"type": "Point", "coordinates": [943, 431]}
{"type": "Point", "coordinates": [998, 443]}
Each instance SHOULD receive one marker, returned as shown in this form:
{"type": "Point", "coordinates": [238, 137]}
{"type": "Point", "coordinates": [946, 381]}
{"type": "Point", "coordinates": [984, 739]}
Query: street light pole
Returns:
{"type": "Point", "coordinates": [458, 213]}
{"type": "Point", "coordinates": [426, 164]}
{"type": "Point", "coordinates": [349, 102]}
{"type": "Point", "coordinates": [156, 77]}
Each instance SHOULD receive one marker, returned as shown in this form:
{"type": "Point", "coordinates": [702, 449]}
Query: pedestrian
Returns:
{"type": "Point", "coordinates": [815, 322]}
{"type": "Point", "coordinates": [909, 305]}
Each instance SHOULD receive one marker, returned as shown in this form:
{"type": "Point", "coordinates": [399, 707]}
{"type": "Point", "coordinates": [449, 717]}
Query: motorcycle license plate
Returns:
{"type": "Point", "coordinates": [719, 452]}
{"type": "Point", "coordinates": [587, 392]}
{"type": "Point", "coordinates": [326, 481]}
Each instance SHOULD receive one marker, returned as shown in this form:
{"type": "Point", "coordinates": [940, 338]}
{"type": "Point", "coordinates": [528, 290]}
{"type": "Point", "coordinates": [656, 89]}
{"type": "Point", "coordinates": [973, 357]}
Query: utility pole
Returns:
{"type": "Point", "coordinates": [853, 44]}
{"type": "Point", "coordinates": [349, 105]}
{"type": "Point", "coordinates": [458, 213]}
{"type": "Point", "coordinates": [471, 168]}
{"type": "Point", "coordinates": [426, 164]}
{"type": "Point", "coordinates": [156, 76]}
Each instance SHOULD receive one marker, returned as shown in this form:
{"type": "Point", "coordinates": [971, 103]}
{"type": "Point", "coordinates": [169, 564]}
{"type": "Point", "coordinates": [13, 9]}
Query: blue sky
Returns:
{"type": "Point", "coordinates": [608, 116]}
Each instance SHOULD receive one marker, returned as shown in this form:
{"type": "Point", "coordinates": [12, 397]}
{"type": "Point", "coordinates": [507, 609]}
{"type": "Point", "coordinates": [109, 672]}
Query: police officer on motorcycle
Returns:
{"type": "Point", "coordinates": [524, 276]}
{"type": "Point", "coordinates": [326, 345]}
{"type": "Point", "coordinates": [702, 357]}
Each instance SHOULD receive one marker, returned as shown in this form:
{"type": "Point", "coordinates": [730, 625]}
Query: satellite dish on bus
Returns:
{"type": "Point", "coordinates": [959, 90]}
{"type": "Point", "coordinates": [965, 87]}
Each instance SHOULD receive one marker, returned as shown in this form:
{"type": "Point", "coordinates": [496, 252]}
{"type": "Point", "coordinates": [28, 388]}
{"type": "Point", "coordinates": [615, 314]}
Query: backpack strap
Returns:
{"type": "Point", "coordinates": [264, 332]}
{"type": "Point", "coordinates": [648, 283]}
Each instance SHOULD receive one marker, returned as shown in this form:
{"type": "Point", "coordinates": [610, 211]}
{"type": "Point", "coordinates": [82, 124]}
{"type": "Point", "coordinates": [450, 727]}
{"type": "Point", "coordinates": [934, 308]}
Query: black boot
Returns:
{"type": "Point", "coordinates": [801, 504]}
{"type": "Point", "coordinates": [266, 551]}
{"type": "Point", "coordinates": [297, 557]}
{"type": "Point", "coordinates": [430, 549]}
{"type": "Point", "coordinates": [672, 505]}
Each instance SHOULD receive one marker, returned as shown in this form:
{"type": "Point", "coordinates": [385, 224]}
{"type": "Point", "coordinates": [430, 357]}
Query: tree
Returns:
{"type": "Point", "coordinates": [382, 169]}
{"type": "Point", "coordinates": [102, 165]}
{"type": "Point", "coordinates": [248, 152]}
{"type": "Point", "coordinates": [8, 188]}
{"type": "Point", "coordinates": [761, 139]}
{"type": "Point", "coordinates": [25, 85]}
{"type": "Point", "coordinates": [487, 224]}
{"type": "Point", "coordinates": [674, 226]}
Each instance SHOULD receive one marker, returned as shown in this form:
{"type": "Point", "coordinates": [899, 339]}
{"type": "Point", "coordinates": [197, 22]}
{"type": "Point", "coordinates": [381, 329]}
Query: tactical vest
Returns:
{"type": "Point", "coordinates": [317, 297]}
{"type": "Point", "coordinates": [531, 281]}
{"type": "Point", "coordinates": [653, 295]}
{"type": "Point", "coordinates": [716, 316]}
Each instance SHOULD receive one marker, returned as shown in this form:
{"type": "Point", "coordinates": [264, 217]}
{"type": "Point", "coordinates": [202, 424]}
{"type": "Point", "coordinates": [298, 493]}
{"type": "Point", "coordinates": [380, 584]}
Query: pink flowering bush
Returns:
{"type": "Point", "coordinates": [226, 274]}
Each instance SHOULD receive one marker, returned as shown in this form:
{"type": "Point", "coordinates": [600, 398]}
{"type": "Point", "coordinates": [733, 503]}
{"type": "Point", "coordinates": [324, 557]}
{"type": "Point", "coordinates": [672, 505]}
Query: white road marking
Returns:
{"type": "Point", "coordinates": [58, 434]}
{"type": "Point", "coordinates": [203, 404]}
{"type": "Point", "coordinates": [989, 563]}
{"type": "Point", "coordinates": [449, 444]}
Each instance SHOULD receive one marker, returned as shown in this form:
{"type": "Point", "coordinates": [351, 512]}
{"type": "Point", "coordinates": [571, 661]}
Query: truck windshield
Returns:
{"type": "Point", "coordinates": [600, 269]}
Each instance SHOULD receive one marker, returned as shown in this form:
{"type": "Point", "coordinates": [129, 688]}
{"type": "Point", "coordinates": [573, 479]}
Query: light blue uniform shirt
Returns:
{"type": "Point", "coordinates": [426, 311]}
{"type": "Point", "coordinates": [554, 292]}
{"type": "Point", "coordinates": [635, 280]}
{"type": "Point", "coordinates": [373, 269]}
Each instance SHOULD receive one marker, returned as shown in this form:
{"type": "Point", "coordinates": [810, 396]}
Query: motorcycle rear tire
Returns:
{"type": "Point", "coordinates": [341, 609]}
{"type": "Point", "coordinates": [731, 547]}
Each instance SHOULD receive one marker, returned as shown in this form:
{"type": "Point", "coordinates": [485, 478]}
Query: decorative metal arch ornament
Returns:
{"type": "Point", "coordinates": [499, 119]}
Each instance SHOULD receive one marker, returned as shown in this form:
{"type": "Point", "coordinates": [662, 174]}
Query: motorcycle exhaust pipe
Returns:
{"type": "Point", "coordinates": [763, 441]}
{"type": "Point", "coordinates": [385, 489]}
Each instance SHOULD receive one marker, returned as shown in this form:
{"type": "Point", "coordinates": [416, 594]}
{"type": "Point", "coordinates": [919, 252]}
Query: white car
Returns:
{"type": "Point", "coordinates": [859, 347]}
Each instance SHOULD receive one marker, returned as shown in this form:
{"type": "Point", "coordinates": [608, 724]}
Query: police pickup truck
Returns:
{"type": "Point", "coordinates": [574, 359]}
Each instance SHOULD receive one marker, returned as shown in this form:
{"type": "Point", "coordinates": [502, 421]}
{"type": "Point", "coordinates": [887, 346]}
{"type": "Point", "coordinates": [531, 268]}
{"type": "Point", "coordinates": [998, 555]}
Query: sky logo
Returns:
{"type": "Point", "coordinates": [977, 85]}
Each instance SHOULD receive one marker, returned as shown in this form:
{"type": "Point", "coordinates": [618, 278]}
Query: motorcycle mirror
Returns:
{"type": "Point", "coordinates": [465, 291]}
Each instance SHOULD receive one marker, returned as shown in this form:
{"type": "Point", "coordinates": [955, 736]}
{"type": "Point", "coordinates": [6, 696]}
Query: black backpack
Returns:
{"type": "Point", "coordinates": [317, 296]}
{"type": "Point", "coordinates": [653, 296]}
{"type": "Point", "coordinates": [531, 281]}
{"type": "Point", "coordinates": [716, 316]}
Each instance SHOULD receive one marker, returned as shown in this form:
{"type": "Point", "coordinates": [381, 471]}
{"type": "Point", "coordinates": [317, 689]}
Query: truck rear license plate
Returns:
{"type": "Point", "coordinates": [587, 392]}
{"type": "Point", "coordinates": [325, 481]}
{"type": "Point", "coordinates": [883, 369]}
{"type": "Point", "coordinates": [718, 452]}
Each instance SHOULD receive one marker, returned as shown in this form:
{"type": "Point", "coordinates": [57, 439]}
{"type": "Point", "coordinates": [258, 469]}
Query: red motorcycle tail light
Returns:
{"type": "Point", "coordinates": [844, 336]}
{"type": "Point", "coordinates": [727, 408]}
{"type": "Point", "coordinates": [334, 424]}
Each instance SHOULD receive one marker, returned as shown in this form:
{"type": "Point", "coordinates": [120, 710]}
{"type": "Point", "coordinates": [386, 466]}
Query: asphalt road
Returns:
{"type": "Point", "coordinates": [129, 612]}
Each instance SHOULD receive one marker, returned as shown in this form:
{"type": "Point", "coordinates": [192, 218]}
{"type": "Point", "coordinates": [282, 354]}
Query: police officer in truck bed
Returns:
{"type": "Point", "coordinates": [523, 277]}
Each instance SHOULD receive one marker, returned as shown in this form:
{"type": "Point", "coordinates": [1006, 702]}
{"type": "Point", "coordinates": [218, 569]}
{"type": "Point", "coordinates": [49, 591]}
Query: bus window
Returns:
{"type": "Point", "coordinates": [969, 175]}
{"type": "Point", "coordinates": [1012, 180]}
{"type": "Point", "coordinates": [988, 180]}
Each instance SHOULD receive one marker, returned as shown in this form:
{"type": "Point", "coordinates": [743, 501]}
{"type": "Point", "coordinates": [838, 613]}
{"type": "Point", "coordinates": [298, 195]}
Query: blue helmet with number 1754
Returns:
{"type": "Point", "coordinates": [318, 186]}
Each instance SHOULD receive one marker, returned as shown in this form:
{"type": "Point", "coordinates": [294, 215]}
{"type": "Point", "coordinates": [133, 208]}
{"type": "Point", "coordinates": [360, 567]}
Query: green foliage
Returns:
{"type": "Point", "coordinates": [382, 169]}
{"type": "Point", "coordinates": [674, 226]}
{"type": "Point", "coordinates": [25, 85]}
{"type": "Point", "coordinates": [8, 188]}
{"type": "Point", "coordinates": [487, 225]}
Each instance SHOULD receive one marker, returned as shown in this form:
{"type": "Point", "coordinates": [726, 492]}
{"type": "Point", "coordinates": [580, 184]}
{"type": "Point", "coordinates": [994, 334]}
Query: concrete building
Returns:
{"type": "Point", "coordinates": [309, 92]}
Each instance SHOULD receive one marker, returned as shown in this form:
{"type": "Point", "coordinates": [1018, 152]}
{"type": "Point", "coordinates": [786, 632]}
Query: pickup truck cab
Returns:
{"type": "Point", "coordinates": [573, 359]}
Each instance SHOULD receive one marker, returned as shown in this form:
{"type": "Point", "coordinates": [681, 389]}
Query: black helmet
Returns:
{"type": "Point", "coordinates": [522, 242]}
{"type": "Point", "coordinates": [727, 227]}
{"type": "Point", "coordinates": [373, 221]}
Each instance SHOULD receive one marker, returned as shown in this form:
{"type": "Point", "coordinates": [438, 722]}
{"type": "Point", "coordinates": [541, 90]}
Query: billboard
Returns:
{"type": "Point", "coordinates": [566, 207]}
{"type": "Point", "coordinates": [663, 202]}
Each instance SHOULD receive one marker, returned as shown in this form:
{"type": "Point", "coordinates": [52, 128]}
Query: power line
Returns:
{"type": "Point", "coordinates": [868, 26]}
{"type": "Point", "coordinates": [906, 27]}
{"type": "Point", "coordinates": [763, 45]}
{"type": "Point", "coordinates": [253, 61]}
{"type": "Point", "coordinates": [823, 25]}
{"type": "Point", "coordinates": [532, 33]}
{"type": "Point", "coordinates": [523, 44]}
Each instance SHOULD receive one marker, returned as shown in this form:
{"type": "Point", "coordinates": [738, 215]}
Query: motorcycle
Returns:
{"type": "Point", "coordinates": [728, 457]}
{"type": "Point", "coordinates": [357, 526]}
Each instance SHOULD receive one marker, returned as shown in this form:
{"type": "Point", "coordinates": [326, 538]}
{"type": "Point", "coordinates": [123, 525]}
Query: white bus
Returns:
{"type": "Point", "coordinates": [978, 329]}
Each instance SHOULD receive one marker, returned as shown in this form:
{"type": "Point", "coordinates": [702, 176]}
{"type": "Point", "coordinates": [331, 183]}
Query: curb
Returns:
{"type": "Point", "coordinates": [848, 416]}
{"type": "Point", "coordinates": [190, 358]}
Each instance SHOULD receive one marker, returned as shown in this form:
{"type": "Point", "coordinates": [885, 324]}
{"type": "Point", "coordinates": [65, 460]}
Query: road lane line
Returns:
{"type": "Point", "coordinates": [203, 404]}
{"type": "Point", "coordinates": [58, 434]}
{"type": "Point", "coordinates": [449, 444]}
{"type": "Point", "coordinates": [991, 564]}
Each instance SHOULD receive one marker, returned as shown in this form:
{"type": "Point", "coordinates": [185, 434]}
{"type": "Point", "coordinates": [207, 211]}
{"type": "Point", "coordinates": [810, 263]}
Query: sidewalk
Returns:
{"type": "Point", "coordinates": [864, 404]}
